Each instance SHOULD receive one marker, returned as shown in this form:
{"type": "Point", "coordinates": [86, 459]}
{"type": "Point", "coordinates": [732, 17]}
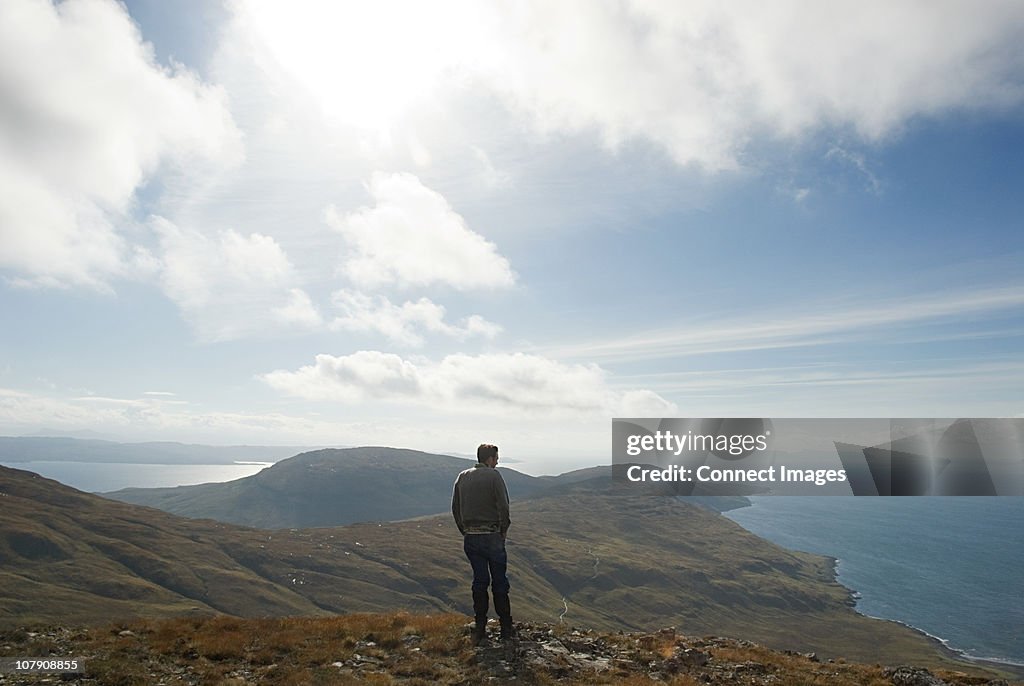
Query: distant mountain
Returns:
{"type": "Point", "coordinates": [599, 480]}
{"type": "Point", "coordinates": [579, 475]}
{"type": "Point", "coordinates": [14, 449]}
{"type": "Point", "coordinates": [328, 488]}
{"type": "Point", "coordinates": [611, 563]}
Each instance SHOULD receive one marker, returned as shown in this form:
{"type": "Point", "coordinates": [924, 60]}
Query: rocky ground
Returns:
{"type": "Point", "coordinates": [580, 656]}
{"type": "Point", "coordinates": [415, 650]}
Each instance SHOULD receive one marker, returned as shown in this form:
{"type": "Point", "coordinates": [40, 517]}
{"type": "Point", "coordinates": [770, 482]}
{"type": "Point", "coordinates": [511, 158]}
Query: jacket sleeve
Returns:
{"type": "Point", "coordinates": [457, 508]}
{"type": "Point", "coordinates": [501, 498]}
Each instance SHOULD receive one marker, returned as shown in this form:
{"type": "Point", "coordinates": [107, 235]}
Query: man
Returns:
{"type": "Point", "coordinates": [480, 507]}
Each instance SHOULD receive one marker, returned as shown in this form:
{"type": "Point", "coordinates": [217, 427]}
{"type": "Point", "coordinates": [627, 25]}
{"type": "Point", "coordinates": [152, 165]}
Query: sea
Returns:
{"type": "Point", "coordinates": [100, 477]}
{"type": "Point", "coordinates": [952, 567]}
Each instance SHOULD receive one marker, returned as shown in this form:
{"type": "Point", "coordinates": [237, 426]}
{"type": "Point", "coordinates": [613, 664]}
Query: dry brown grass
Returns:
{"type": "Point", "coordinates": [401, 649]}
{"type": "Point", "coordinates": [407, 649]}
{"type": "Point", "coordinates": [797, 670]}
{"type": "Point", "coordinates": [758, 654]}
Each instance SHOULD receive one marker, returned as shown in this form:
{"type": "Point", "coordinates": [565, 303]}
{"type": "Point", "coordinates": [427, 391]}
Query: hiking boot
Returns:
{"type": "Point", "coordinates": [480, 606]}
{"type": "Point", "coordinates": [479, 635]}
{"type": "Point", "coordinates": [503, 607]}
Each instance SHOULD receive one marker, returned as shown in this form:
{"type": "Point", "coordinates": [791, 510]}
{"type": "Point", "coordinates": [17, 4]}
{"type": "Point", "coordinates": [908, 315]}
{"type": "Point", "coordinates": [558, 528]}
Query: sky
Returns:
{"type": "Point", "coordinates": [431, 225]}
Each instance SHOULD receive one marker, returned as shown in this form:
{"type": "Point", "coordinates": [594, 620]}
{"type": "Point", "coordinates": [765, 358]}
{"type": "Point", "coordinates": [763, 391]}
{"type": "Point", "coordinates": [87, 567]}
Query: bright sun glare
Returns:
{"type": "Point", "coordinates": [365, 63]}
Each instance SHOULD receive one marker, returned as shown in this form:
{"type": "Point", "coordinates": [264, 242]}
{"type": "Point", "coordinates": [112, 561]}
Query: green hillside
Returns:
{"type": "Point", "coordinates": [610, 563]}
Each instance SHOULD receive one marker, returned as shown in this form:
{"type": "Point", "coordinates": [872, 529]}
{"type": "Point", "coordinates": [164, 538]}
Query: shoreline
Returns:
{"type": "Point", "coordinates": [943, 645]}
{"type": "Point", "coordinates": [999, 664]}
{"type": "Point", "coordinates": [1003, 665]}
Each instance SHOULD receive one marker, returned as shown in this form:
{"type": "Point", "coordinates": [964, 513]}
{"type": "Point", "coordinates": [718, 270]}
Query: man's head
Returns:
{"type": "Point", "coordinates": [487, 454]}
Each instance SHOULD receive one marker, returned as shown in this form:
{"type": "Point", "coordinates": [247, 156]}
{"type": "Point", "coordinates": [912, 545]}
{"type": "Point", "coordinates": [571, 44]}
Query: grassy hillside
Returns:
{"type": "Point", "coordinates": [611, 563]}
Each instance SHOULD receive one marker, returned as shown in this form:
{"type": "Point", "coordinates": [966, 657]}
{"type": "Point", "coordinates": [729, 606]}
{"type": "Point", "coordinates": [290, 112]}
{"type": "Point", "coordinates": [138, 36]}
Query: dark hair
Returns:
{"type": "Point", "coordinates": [486, 451]}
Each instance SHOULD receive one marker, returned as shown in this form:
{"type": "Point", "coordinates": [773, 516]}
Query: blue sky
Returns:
{"type": "Point", "coordinates": [435, 225]}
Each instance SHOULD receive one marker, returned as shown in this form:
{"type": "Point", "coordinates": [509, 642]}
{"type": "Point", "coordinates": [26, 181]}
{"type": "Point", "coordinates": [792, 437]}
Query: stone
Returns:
{"type": "Point", "coordinates": [912, 676]}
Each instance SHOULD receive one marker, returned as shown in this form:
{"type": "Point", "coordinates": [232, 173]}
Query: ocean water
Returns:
{"type": "Point", "coordinates": [951, 567]}
{"type": "Point", "coordinates": [98, 477]}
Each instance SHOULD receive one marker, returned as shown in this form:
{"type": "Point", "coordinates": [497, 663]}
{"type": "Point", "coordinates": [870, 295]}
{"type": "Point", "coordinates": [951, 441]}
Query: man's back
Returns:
{"type": "Point", "coordinates": [480, 501]}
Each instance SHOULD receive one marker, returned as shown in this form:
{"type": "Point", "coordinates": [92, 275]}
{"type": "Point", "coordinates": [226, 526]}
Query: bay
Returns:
{"type": "Point", "coordinates": [951, 567]}
{"type": "Point", "coordinates": [99, 477]}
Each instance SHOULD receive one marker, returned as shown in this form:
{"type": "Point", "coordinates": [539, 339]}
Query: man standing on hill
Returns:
{"type": "Point", "coordinates": [480, 507]}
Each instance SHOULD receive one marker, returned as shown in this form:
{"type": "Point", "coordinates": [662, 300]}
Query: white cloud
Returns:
{"type": "Point", "coordinates": [475, 325]}
{"type": "Point", "coordinates": [86, 117]}
{"type": "Point", "coordinates": [519, 384]}
{"type": "Point", "coordinates": [147, 418]}
{"type": "Point", "coordinates": [361, 375]}
{"type": "Point", "coordinates": [857, 161]}
{"type": "Point", "coordinates": [403, 323]}
{"type": "Point", "coordinates": [896, 388]}
{"type": "Point", "coordinates": [298, 311]}
{"type": "Point", "coordinates": [412, 237]}
{"type": "Point", "coordinates": [699, 79]}
{"type": "Point", "coordinates": [233, 285]}
{"type": "Point", "coordinates": [21, 409]}
{"type": "Point", "coordinates": [817, 324]}
{"type": "Point", "coordinates": [490, 176]}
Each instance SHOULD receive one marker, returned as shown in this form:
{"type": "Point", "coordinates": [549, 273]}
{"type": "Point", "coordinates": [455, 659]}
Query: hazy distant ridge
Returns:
{"type": "Point", "coordinates": [60, 449]}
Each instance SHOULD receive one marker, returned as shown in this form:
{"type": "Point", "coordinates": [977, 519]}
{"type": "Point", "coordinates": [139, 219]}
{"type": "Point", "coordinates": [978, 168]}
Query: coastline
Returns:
{"type": "Point", "coordinates": [1004, 666]}
{"type": "Point", "coordinates": [1015, 669]}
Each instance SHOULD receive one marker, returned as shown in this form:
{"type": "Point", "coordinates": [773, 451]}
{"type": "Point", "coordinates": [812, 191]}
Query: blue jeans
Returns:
{"type": "Point", "coordinates": [486, 553]}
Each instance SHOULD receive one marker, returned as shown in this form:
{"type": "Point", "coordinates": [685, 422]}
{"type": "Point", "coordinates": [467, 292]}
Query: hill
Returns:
{"type": "Point", "coordinates": [609, 563]}
{"type": "Point", "coordinates": [328, 488]}
{"type": "Point", "coordinates": [417, 650]}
